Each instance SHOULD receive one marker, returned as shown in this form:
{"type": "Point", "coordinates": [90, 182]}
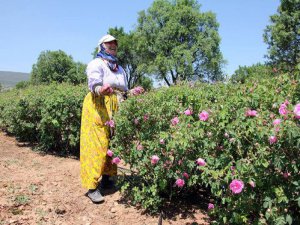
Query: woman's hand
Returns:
{"type": "Point", "coordinates": [106, 89]}
{"type": "Point", "coordinates": [137, 90]}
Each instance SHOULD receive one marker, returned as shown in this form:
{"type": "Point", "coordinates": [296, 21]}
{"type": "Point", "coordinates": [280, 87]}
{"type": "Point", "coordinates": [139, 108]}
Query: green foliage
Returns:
{"type": "Point", "coordinates": [47, 115]}
{"type": "Point", "coordinates": [282, 36]}
{"type": "Point", "coordinates": [258, 70]}
{"type": "Point", "coordinates": [57, 66]}
{"type": "Point", "coordinates": [178, 42]}
{"type": "Point", "coordinates": [233, 145]}
{"type": "Point", "coordinates": [22, 84]}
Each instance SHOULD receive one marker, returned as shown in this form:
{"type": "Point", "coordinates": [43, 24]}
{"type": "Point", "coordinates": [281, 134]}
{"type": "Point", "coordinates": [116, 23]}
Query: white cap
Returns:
{"type": "Point", "coordinates": [106, 38]}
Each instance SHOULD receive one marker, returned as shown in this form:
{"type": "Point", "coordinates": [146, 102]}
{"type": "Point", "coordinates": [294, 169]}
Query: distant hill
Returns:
{"type": "Point", "coordinates": [9, 79]}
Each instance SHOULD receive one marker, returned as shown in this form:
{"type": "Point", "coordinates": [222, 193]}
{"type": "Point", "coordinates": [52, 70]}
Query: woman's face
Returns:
{"type": "Point", "coordinates": [111, 47]}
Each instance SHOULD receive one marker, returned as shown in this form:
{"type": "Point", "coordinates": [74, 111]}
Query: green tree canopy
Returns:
{"type": "Point", "coordinates": [56, 66]}
{"type": "Point", "coordinates": [256, 70]}
{"type": "Point", "coordinates": [178, 42]}
{"type": "Point", "coordinates": [283, 36]}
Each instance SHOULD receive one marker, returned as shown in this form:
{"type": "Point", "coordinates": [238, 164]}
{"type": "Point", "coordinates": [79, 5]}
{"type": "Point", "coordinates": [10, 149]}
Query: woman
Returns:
{"type": "Point", "coordinates": [106, 81]}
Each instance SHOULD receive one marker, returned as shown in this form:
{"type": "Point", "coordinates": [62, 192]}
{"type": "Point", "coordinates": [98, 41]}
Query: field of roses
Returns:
{"type": "Point", "coordinates": [238, 142]}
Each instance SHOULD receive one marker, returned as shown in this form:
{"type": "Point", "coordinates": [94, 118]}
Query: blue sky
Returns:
{"type": "Point", "coordinates": [29, 27]}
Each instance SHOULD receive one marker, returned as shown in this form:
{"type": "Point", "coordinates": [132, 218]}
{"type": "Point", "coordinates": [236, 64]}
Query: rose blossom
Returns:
{"type": "Point", "coordinates": [140, 147]}
{"type": "Point", "coordinates": [201, 162]}
{"type": "Point", "coordinates": [283, 109]}
{"type": "Point", "coordinates": [136, 121]}
{"type": "Point", "coordinates": [179, 182]}
{"type": "Point", "coordinates": [116, 160]}
{"type": "Point", "coordinates": [210, 206]}
{"type": "Point", "coordinates": [109, 153]}
{"type": "Point", "coordinates": [236, 186]}
{"type": "Point", "coordinates": [137, 90]}
{"type": "Point", "coordinates": [297, 111]}
{"type": "Point", "coordinates": [175, 121]}
{"type": "Point", "coordinates": [110, 123]}
{"type": "Point", "coordinates": [188, 112]}
{"type": "Point", "coordinates": [286, 175]}
{"type": "Point", "coordinates": [276, 122]}
{"type": "Point", "coordinates": [186, 175]}
{"type": "Point", "coordinates": [162, 141]}
{"type": "Point", "coordinates": [203, 116]}
{"type": "Point", "coordinates": [154, 159]}
{"type": "Point", "coordinates": [272, 139]}
{"type": "Point", "coordinates": [251, 113]}
{"type": "Point", "coordinates": [146, 117]}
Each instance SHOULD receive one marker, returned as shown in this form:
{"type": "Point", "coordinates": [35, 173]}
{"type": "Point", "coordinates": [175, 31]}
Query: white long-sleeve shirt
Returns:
{"type": "Point", "coordinates": [98, 74]}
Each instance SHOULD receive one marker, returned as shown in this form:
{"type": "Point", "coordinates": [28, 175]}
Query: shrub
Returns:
{"type": "Point", "coordinates": [219, 137]}
{"type": "Point", "coordinates": [48, 115]}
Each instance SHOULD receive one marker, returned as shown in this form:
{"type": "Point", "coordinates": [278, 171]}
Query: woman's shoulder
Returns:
{"type": "Point", "coordinates": [95, 63]}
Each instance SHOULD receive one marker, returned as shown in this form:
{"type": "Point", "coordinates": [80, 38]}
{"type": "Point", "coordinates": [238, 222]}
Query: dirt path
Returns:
{"type": "Point", "coordinates": [45, 189]}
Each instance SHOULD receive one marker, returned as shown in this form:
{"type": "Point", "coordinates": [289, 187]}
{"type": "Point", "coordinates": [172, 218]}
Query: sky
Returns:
{"type": "Point", "coordinates": [29, 27]}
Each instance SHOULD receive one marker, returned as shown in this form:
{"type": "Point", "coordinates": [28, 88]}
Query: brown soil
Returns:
{"type": "Point", "coordinates": [45, 189]}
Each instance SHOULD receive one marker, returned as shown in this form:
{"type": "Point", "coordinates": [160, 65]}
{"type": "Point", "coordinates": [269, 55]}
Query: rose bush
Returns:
{"type": "Point", "coordinates": [239, 141]}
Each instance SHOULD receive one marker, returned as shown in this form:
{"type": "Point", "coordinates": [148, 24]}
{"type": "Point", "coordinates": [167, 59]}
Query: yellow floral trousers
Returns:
{"type": "Point", "coordinates": [94, 139]}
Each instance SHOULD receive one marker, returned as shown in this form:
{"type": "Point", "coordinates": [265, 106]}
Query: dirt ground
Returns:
{"type": "Point", "coordinates": [45, 189]}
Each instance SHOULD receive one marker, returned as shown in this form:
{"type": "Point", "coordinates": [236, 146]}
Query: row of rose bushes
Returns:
{"type": "Point", "coordinates": [48, 116]}
{"type": "Point", "coordinates": [238, 141]}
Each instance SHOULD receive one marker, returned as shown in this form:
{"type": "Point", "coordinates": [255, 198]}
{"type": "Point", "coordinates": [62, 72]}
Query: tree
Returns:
{"type": "Point", "coordinates": [77, 75]}
{"type": "Point", "coordinates": [178, 42]}
{"type": "Point", "coordinates": [56, 66]}
{"type": "Point", "coordinates": [283, 36]}
{"type": "Point", "coordinates": [245, 72]}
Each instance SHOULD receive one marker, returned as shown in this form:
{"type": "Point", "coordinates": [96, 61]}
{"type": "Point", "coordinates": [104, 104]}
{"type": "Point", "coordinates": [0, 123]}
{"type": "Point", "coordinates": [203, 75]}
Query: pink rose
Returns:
{"type": "Point", "coordinates": [137, 90]}
{"type": "Point", "coordinates": [226, 135]}
{"type": "Point", "coordinates": [286, 102]}
{"type": "Point", "coordinates": [200, 162]}
{"type": "Point", "coordinates": [175, 121]}
{"type": "Point", "coordinates": [188, 112]}
{"type": "Point", "coordinates": [186, 175]}
{"type": "Point", "coordinates": [283, 109]}
{"type": "Point", "coordinates": [236, 186]}
{"type": "Point", "coordinates": [297, 111]}
{"type": "Point", "coordinates": [203, 116]}
{"type": "Point", "coordinates": [286, 175]}
{"type": "Point", "coordinates": [179, 182]}
{"type": "Point", "coordinates": [136, 121]}
{"type": "Point", "coordinates": [272, 139]}
{"type": "Point", "coordinates": [146, 117]}
{"type": "Point", "coordinates": [110, 123]}
{"type": "Point", "coordinates": [276, 122]}
{"type": "Point", "coordinates": [109, 153]}
{"type": "Point", "coordinates": [154, 159]}
{"type": "Point", "coordinates": [162, 141]}
{"type": "Point", "coordinates": [140, 147]}
{"type": "Point", "coordinates": [116, 160]}
{"type": "Point", "coordinates": [251, 113]}
{"type": "Point", "coordinates": [210, 206]}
